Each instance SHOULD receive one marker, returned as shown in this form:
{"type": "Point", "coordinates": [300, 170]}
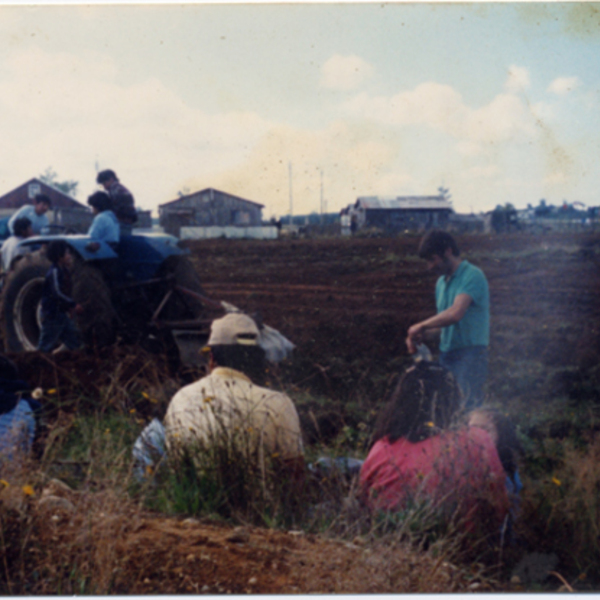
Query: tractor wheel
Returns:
{"type": "Point", "coordinates": [21, 308]}
{"type": "Point", "coordinates": [181, 305]}
{"type": "Point", "coordinates": [97, 322]}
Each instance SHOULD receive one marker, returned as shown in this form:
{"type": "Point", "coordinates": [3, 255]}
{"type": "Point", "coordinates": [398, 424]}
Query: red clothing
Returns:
{"type": "Point", "coordinates": [455, 470]}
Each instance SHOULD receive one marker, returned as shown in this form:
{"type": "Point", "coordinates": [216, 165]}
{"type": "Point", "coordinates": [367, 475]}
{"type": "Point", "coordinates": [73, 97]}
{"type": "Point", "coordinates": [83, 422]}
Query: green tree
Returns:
{"type": "Point", "coordinates": [49, 177]}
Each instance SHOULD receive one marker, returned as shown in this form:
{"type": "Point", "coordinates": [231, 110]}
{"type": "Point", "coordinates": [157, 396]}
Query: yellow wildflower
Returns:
{"type": "Point", "coordinates": [28, 490]}
{"type": "Point", "coordinates": [430, 424]}
{"type": "Point", "coordinates": [50, 392]}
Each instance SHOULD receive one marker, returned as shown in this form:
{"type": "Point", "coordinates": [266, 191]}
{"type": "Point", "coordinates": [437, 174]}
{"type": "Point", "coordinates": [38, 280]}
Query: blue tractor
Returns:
{"type": "Point", "coordinates": [143, 290]}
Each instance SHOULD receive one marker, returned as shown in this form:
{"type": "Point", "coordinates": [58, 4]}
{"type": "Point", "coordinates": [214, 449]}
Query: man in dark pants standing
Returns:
{"type": "Point", "coordinates": [463, 315]}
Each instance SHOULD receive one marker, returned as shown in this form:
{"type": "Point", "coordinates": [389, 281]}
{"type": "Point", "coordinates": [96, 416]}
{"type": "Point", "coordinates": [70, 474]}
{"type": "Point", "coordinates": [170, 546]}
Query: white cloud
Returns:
{"type": "Point", "coordinates": [564, 85]}
{"type": "Point", "coordinates": [542, 111]}
{"type": "Point", "coordinates": [68, 111]}
{"type": "Point", "coordinates": [441, 108]}
{"type": "Point", "coordinates": [433, 104]}
{"type": "Point", "coordinates": [504, 119]}
{"type": "Point", "coordinates": [345, 72]}
{"type": "Point", "coordinates": [518, 79]}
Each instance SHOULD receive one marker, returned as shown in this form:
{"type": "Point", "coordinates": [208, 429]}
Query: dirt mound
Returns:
{"type": "Point", "coordinates": [97, 543]}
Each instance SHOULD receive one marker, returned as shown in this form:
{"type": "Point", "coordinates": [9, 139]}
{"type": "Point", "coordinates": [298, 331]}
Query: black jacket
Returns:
{"type": "Point", "coordinates": [56, 293]}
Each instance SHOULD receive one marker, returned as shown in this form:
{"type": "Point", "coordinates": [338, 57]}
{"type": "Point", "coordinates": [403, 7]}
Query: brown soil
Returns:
{"type": "Point", "coordinates": [353, 300]}
{"type": "Point", "coordinates": [91, 543]}
{"type": "Point", "coordinates": [346, 304]}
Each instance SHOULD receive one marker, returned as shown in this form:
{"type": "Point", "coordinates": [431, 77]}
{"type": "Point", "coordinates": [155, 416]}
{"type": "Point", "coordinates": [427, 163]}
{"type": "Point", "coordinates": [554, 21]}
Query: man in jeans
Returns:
{"type": "Point", "coordinates": [463, 315]}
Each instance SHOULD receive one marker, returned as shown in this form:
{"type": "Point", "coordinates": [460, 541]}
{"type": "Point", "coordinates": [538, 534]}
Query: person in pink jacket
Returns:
{"type": "Point", "coordinates": [417, 457]}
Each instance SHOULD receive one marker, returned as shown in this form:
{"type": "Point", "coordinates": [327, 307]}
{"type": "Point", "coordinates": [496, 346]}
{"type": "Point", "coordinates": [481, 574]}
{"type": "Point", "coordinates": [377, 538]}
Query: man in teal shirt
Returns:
{"type": "Point", "coordinates": [463, 315]}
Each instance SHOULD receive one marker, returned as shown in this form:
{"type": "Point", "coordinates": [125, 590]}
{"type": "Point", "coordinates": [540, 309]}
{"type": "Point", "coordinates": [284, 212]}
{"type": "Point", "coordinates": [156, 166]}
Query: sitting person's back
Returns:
{"type": "Point", "coordinates": [227, 410]}
{"type": "Point", "coordinates": [416, 457]}
{"type": "Point", "coordinates": [105, 226]}
{"type": "Point", "coordinates": [19, 413]}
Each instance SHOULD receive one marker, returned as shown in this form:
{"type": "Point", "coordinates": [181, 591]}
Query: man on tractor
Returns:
{"type": "Point", "coordinates": [123, 204]}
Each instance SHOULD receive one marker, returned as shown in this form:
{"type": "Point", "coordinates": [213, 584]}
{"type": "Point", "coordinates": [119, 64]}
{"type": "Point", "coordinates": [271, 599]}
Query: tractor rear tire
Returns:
{"type": "Point", "coordinates": [21, 304]}
{"type": "Point", "coordinates": [20, 308]}
{"type": "Point", "coordinates": [97, 322]}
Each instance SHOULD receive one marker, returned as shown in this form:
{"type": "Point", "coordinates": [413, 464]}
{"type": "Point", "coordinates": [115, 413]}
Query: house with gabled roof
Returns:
{"type": "Point", "coordinates": [66, 211]}
{"type": "Point", "coordinates": [209, 208]}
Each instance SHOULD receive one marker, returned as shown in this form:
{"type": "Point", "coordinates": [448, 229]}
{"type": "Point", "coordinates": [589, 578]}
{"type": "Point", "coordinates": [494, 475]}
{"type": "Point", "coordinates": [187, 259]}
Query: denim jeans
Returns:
{"type": "Point", "coordinates": [58, 328]}
{"type": "Point", "coordinates": [469, 367]}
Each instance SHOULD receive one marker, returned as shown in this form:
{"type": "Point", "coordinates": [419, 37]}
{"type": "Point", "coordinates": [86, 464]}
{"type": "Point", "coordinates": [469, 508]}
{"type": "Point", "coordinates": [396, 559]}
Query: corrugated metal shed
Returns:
{"type": "Point", "coordinates": [209, 208]}
{"type": "Point", "coordinates": [25, 193]}
{"type": "Point", "coordinates": [207, 192]}
{"type": "Point", "coordinates": [403, 203]}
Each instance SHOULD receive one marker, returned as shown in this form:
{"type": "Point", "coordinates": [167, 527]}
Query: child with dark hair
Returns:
{"type": "Point", "coordinates": [57, 304]}
{"type": "Point", "coordinates": [418, 457]}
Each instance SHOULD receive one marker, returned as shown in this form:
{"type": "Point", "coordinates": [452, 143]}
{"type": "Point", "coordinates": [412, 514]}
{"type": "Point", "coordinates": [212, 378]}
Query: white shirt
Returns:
{"type": "Point", "coordinates": [38, 222]}
{"type": "Point", "coordinates": [10, 250]}
{"type": "Point", "coordinates": [226, 408]}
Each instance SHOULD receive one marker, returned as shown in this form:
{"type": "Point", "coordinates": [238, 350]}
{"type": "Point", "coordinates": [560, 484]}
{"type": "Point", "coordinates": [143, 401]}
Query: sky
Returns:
{"type": "Point", "coordinates": [305, 107]}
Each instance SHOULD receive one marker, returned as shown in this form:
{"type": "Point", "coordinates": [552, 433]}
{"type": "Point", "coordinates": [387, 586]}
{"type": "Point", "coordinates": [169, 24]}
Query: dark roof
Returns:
{"type": "Point", "coordinates": [20, 196]}
{"type": "Point", "coordinates": [182, 198]}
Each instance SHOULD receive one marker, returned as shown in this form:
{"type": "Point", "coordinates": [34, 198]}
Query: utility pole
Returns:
{"type": "Point", "coordinates": [322, 202]}
{"type": "Point", "coordinates": [291, 195]}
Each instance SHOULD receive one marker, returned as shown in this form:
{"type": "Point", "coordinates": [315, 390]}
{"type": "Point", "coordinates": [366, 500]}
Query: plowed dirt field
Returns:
{"type": "Point", "coordinates": [346, 304]}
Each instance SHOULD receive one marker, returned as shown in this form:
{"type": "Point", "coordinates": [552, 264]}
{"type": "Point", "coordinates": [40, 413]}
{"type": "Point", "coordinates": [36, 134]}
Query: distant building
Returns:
{"type": "Point", "coordinates": [25, 193]}
{"type": "Point", "coordinates": [66, 212]}
{"type": "Point", "coordinates": [468, 223]}
{"type": "Point", "coordinates": [400, 213]}
{"type": "Point", "coordinates": [209, 208]}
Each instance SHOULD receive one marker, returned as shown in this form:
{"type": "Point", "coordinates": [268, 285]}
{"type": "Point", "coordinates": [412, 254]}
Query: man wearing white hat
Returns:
{"type": "Point", "coordinates": [227, 409]}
